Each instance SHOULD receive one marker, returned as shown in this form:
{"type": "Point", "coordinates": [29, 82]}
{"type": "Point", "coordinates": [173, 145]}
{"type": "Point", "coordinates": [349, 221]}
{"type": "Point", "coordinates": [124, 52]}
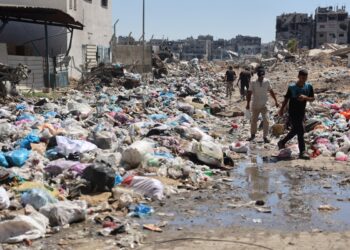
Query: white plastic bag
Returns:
{"type": "Point", "coordinates": [65, 212]}
{"type": "Point", "coordinates": [208, 152]}
{"type": "Point", "coordinates": [135, 154]}
{"type": "Point", "coordinates": [239, 147]}
{"type": "Point", "coordinates": [68, 146]}
{"type": "Point", "coordinates": [147, 186]}
{"type": "Point", "coordinates": [23, 227]}
{"type": "Point", "coordinates": [4, 199]}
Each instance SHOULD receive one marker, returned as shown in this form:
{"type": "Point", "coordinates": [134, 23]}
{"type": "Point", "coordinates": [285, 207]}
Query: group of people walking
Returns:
{"type": "Point", "coordinates": [256, 94]}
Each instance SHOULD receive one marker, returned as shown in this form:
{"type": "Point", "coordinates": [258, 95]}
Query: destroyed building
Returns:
{"type": "Point", "coordinates": [331, 26]}
{"type": "Point", "coordinates": [297, 26]}
{"type": "Point", "coordinates": [89, 46]}
{"type": "Point", "coordinates": [248, 45]}
{"type": "Point", "coordinates": [196, 48]}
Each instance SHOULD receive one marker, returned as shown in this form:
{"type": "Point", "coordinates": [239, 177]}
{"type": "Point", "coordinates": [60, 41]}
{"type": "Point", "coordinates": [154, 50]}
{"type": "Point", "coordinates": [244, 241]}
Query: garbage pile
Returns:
{"type": "Point", "coordinates": [110, 75]}
{"type": "Point", "coordinates": [110, 149]}
{"type": "Point", "coordinates": [10, 77]}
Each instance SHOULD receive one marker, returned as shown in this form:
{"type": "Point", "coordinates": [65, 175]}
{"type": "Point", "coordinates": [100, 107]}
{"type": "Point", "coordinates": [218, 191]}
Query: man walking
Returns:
{"type": "Point", "coordinates": [298, 95]}
{"type": "Point", "coordinates": [244, 78]}
{"type": "Point", "coordinates": [230, 77]}
{"type": "Point", "coordinates": [259, 91]}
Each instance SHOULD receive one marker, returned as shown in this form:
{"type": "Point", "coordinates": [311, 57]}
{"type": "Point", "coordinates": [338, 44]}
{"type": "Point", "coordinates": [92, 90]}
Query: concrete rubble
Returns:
{"type": "Point", "coordinates": [102, 153]}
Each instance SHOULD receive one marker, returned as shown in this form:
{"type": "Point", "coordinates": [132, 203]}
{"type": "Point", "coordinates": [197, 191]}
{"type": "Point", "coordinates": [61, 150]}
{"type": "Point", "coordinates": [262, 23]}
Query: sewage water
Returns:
{"type": "Point", "coordinates": [292, 195]}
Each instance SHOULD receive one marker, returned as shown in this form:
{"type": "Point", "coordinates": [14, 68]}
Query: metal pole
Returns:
{"type": "Point", "coordinates": [143, 37]}
{"type": "Point", "coordinates": [48, 81]}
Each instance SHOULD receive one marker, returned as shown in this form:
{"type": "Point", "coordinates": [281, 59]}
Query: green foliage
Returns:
{"type": "Point", "coordinates": [292, 45]}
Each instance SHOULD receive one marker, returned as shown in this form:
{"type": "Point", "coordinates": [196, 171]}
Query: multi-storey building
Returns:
{"type": "Point", "coordinates": [331, 26]}
{"type": "Point", "coordinates": [297, 26]}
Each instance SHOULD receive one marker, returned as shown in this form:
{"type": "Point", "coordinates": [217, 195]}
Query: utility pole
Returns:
{"type": "Point", "coordinates": [143, 37]}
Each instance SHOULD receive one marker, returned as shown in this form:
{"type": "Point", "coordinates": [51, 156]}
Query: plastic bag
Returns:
{"type": "Point", "coordinates": [135, 153]}
{"type": "Point", "coordinates": [100, 178]}
{"type": "Point", "coordinates": [66, 146]}
{"type": "Point", "coordinates": [141, 211]}
{"type": "Point", "coordinates": [27, 117]}
{"type": "Point", "coordinates": [147, 186]}
{"type": "Point", "coordinates": [340, 156]}
{"type": "Point", "coordinates": [4, 199]}
{"type": "Point", "coordinates": [26, 141]}
{"type": "Point", "coordinates": [23, 227]}
{"type": "Point", "coordinates": [3, 161]}
{"type": "Point", "coordinates": [17, 157]}
{"type": "Point", "coordinates": [59, 166]}
{"type": "Point", "coordinates": [239, 147]}
{"type": "Point", "coordinates": [37, 198]}
{"type": "Point", "coordinates": [65, 212]}
{"type": "Point", "coordinates": [208, 152]}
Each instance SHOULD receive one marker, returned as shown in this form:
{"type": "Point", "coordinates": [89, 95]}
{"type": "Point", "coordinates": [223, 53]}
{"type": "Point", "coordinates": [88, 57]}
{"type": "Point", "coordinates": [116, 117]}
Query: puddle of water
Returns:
{"type": "Point", "coordinates": [293, 195]}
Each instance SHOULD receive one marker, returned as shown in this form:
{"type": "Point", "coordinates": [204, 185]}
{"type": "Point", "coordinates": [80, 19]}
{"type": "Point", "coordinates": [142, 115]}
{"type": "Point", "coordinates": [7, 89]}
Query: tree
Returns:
{"type": "Point", "coordinates": [292, 45]}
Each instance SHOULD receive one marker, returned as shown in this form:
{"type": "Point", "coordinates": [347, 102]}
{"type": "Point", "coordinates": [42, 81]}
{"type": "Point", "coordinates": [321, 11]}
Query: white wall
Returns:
{"type": "Point", "coordinates": [98, 28]}
{"type": "Point", "coordinates": [55, 4]}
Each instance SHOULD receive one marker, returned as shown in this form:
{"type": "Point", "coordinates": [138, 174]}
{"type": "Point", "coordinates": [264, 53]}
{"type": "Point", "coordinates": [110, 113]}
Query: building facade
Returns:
{"type": "Point", "coordinates": [89, 46]}
{"type": "Point", "coordinates": [248, 45]}
{"type": "Point", "coordinates": [331, 26]}
{"type": "Point", "coordinates": [297, 26]}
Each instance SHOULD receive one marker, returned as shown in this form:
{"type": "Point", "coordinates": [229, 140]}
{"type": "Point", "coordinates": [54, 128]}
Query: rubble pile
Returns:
{"type": "Point", "coordinates": [106, 151]}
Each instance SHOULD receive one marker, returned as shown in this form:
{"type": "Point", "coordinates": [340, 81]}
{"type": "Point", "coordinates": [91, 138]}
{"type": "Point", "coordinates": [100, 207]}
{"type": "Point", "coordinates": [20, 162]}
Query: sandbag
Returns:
{"type": "Point", "coordinates": [135, 153]}
{"type": "Point", "coordinates": [65, 212]}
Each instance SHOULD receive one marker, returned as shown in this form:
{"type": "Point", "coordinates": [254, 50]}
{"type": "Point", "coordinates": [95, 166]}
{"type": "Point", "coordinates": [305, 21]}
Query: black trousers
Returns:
{"type": "Point", "coordinates": [244, 88]}
{"type": "Point", "coordinates": [297, 122]}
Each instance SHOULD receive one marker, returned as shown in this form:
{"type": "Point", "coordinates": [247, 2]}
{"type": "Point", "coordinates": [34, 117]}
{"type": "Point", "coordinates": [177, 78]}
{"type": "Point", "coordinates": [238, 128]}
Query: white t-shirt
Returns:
{"type": "Point", "coordinates": [260, 92]}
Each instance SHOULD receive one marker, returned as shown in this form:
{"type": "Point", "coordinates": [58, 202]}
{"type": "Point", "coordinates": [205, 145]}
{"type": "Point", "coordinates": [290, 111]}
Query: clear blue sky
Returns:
{"type": "Point", "coordinates": [177, 19]}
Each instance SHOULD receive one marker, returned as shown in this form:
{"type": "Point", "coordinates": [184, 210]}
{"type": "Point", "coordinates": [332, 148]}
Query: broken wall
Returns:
{"type": "Point", "coordinates": [132, 55]}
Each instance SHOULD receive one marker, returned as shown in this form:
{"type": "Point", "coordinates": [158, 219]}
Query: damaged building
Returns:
{"type": "Point", "coordinates": [297, 26]}
{"type": "Point", "coordinates": [248, 45]}
{"type": "Point", "coordinates": [87, 47]}
{"type": "Point", "coordinates": [331, 26]}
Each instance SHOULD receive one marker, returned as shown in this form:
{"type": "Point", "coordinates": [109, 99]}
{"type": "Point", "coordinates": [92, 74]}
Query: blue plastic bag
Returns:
{"type": "Point", "coordinates": [3, 161]}
{"type": "Point", "coordinates": [21, 107]}
{"type": "Point", "coordinates": [26, 117]}
{"type": "Point", "coordinates": [157, 117]}
{"type": "Point", "coordinates": [26, 141]}
{"type": "Point", "coordinates": [37, 198]}
{"type": "Point", "coordinates": [50, 114]}
{"type": "Point", "coordinates": [141, 210]}
{"type": "Point", "coordinates": [17, 157]}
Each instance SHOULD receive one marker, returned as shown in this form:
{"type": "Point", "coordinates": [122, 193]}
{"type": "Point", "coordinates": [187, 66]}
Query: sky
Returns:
{"type": "Point", "coordinates": [179, 19]}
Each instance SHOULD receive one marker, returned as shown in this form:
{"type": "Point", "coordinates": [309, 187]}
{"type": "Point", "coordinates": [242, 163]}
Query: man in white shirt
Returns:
{"type": "Point", "coordinates": [259, 90]}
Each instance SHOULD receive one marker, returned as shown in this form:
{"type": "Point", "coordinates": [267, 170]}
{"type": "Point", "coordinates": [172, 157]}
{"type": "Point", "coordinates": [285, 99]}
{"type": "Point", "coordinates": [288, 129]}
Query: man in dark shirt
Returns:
{"type": "Point", "coordinates": [298, 95]}
{"type": "Point", "coordinates": [230, 77]}
{"type": "Point", "coordinates": [244, 78]}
